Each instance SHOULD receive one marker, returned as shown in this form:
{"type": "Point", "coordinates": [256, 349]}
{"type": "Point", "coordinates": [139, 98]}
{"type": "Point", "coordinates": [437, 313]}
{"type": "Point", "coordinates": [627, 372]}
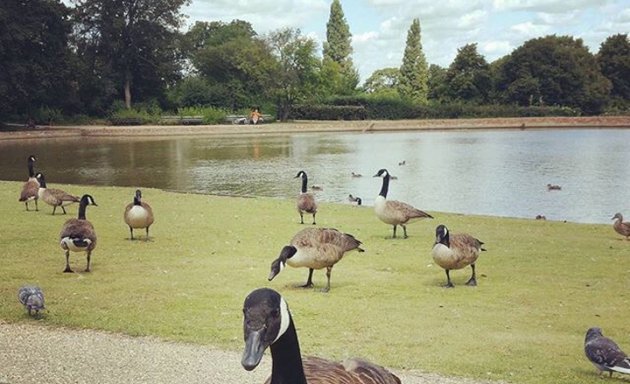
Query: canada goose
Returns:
{"type": "Point", "coordinates": [317, 188]}
{"type": "Point", "coordinates": [402, 162]}
{"type": "Point", "coordinates": [392, 211]}
{"type": "Point", "coordinates": [355, 199]}
{"type": "Point", "coordinates": [78, 235]}
{"type": "Point", "coordinates": [30, 189]}
{"type": "Point", "coordinates": [356, 174]}
{"type": "Point", "coordinates": [54, 197]}
{"type": "Point", "coordinates": [305, 201]}
{"type": "Point", "coordinates": [32, 298]}
{"type": "Point", "coordinates": [315, 248]}
{"type": "Point", "coordinates": [456, 251]}
{"type": "Point", "coordinates": [604, 353]}
{"type": "Point", "coordinates": [138, 214]}
{"type": "Point", "coordinates": [267, 323]}
{"type": "Point", "coordinates": [553, 187]}
{"type": "Point", "coordinates": [621, 227]}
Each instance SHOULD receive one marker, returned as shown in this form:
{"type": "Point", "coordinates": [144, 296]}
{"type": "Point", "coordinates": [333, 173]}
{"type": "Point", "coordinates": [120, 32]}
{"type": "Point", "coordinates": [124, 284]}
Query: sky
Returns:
{"type": "Point", "coordinates": [379, 27]}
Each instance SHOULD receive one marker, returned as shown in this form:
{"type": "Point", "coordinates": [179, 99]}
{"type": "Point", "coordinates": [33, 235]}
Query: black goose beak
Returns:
{"type": "Point", "coordinates": [254, 350]}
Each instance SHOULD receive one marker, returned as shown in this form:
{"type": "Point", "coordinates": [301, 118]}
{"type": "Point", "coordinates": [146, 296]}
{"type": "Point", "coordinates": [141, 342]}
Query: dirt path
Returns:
{"type": "Point", "coordinates": [37, 354]}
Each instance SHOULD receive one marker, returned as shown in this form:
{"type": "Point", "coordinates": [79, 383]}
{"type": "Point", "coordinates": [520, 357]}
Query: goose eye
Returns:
{"type": "Point", "coordinates": [275, 313]}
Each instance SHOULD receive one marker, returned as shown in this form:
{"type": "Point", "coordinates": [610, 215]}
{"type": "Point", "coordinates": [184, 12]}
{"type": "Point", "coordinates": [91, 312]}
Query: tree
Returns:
{"type": "Point", "coordinates": [438, 88]}
{"type": "Point", "coordinates": [554, 70]}
{"type": "Point", "coordinates": [34, 69]}
{"type": "Point", "coordinates": [131, 43]}
{"type": "Point", "coordinates": [383, 82]}
{"type": "Point", "coordinates": [614, 61]}
{"type": "Point", "coordinates": [297, 73]}
{"type": "Point", "coordinates": [468, 77]}
{"type": "Point", "coordinates": [413, 71]}
{"type": "Point", "coordinates": [337, 49]}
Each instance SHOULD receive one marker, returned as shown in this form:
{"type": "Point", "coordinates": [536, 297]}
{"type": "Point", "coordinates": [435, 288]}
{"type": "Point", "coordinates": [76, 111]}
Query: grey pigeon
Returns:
{"type": "Point", "coordinates": [604, 353]}
{"type": "Point", "coordinates": [32, 298]}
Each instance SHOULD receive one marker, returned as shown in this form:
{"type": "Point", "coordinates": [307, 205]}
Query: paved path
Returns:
{"type": "Point", "coordinates": [36, 354]}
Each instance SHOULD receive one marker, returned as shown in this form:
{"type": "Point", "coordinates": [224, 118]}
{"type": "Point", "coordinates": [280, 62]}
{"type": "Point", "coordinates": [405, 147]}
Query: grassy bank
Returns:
{"type": "Point", "coordinates": [541, 284]}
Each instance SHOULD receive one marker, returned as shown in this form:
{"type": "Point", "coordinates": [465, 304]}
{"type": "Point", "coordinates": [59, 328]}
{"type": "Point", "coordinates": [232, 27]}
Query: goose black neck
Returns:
{"type": "Point", "coordinates": [82, 207]}
{"type": "Point", "coordinates": [385, 186]}
{"type": "Point", "coordinates": [286, 358]}
{"type": "Point", "coordinates": [42, 182]}
{"type": "Point", "coordinates": [304, 181]}
{"type": "Point", "coordinates": [136, 201]}
{"type": "Point", "coordinates": [31, 173]}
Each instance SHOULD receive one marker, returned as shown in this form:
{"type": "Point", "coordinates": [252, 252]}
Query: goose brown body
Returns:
{"type": "Point", "coordinates": [54, 197]}
{"type": "Point", "coordinates": [305, 201]}
{"type": "Point", "coordinates": [456, 251]}
{"type": "Point", "coordinates": [267, 323]}
{"type": "Point", "coordinates": [139, 214]}
{"type": "Point", "coordinates": [315, 248]}
{"type": "Point", "coordinates": [621, 227]}
{"type": "Point", "coordinates": [78, 235]}
{"type": "Point", "coordinates": [30, 189]}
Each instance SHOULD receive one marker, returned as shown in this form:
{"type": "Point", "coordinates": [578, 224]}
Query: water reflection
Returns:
{"type": "Point", "coordinates": [495, 173]}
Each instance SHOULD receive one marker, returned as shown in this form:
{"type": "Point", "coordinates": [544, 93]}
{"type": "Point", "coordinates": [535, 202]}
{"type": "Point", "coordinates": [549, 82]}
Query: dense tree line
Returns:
{"type": "Point", "coordinates": [100, 57]}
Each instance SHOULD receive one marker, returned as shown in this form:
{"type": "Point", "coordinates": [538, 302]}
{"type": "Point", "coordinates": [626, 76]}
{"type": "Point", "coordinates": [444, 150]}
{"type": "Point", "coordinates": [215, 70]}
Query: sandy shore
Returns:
{"type": "Point", "coordinates": [323, 126]}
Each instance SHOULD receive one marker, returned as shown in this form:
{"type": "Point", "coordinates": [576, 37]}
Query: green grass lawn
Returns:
{"type": "Point", "coordinates": [541, 283]}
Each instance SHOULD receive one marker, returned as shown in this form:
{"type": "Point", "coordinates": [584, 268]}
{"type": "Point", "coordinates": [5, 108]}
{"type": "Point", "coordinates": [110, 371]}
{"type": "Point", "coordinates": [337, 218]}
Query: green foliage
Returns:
{"type": "Point", "coordinates": [382, 82]}
{"type": "Point", "coordinates": [210, 115]}
{"type": "Point", "coordinates": [614, 60]}
{"type": "Point", "coordinates": [412, 84]}
{"type": "Point", "coordinates": [338, 50]}
{"type": "Point", "coordinates": [468, 77]}
{"type": "Point", "coordinates": [554, 70]}
{"type": "Point", "coordinates": [540, 283]}
{"type": "Point", "coordinates": [135, 116]}
{"type": "Point", "coordinates": [328, 112]}
{"type": "Point", "coordinates": [437, 83]}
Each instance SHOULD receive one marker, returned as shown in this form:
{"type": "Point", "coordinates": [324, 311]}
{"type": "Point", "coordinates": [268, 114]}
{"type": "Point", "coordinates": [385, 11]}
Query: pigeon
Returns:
{"type": "Point", "coordinates": [604, 353]}
{"type": "Point", "coordinates": [32, 298]}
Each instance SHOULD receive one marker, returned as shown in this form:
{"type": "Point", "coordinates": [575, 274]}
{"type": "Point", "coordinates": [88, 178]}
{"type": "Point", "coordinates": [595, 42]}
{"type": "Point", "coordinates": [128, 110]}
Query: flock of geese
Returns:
{"type": "Point", "coordinates": [267, 321]}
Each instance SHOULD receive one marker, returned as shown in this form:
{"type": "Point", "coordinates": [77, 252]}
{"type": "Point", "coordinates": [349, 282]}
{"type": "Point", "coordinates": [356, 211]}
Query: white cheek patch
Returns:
{"type": "Point", "coordinates": [282, 265]}
{"type": "Point", "coordinates": [284, 319]}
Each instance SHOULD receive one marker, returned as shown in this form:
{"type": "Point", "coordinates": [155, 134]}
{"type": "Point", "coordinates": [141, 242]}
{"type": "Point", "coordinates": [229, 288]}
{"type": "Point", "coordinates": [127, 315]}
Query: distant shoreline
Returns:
{"type": "Point", "coordinates": [303, 126]}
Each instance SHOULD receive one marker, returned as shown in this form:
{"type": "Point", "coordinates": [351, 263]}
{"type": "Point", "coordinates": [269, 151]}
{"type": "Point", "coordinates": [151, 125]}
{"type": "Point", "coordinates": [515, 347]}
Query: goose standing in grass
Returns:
{"type": "Point", "coordinates": [30, 189]}
{"type": "Point", "coordinates": [456, 251]}
{"type": "Point", "coordinates": [305, 201]}
{"type": "Point", "coordinates": [395, 212]}
{"type": "Point", "coordinates": [32, 298]}
{"type": "Point", "coordinates": [54, 197]}
{"type": "Point", "coordinates": [267, 323]}
{"type": "Point", "coordinates": [604, 353]}
{"type": "Point", "coordinates": [78, 235]}
{"type": "Point", "coordinates": [138, 214]}
{"type": "Point", "coordinates": [315, 248]}
{"type": "Point", "coordinates": [621, 227]}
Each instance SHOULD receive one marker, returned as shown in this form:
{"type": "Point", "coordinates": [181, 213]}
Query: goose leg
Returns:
{"type": "Point", "coordinates": [26, 203]}
{"type": "Point", "coordinates": [309, 282]}
{"type": "Point", "coordinates": [301, 218]}
{"type": "Point", "coordinates": [89, 256]}
{"type": "Point", "coordinates": [63, 209]}
{"type": "Point", "coordinates": [449, 284]}
{"type": "Point", "coordinates": [131, 230]}
{"type": "Point", "coordinates": [54, 208]}
{"type": "Point", "coordinates": [404, 227]}
{"type": "Point", "coordinates": [36, 207]}
{"type": "Point", "coordinates": [67, 263]}
{"type": "Point", "coordinates": [147, 239]}
{"type": "Point", "coordinates": [394, 236]}
{"type": "Point", "coordinates": [328, 271]}
{"type": "Point", "coordinates": [473, 279]}
{"type": "Point", "coordinates": [313, 219]}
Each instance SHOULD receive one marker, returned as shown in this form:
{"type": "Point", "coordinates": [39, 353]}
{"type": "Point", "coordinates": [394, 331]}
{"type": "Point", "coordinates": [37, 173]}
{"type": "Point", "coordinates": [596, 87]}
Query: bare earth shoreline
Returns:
{"type": "Point", "coordinates": [31, 353]}
{"type": "Point", "coordinates": [591, 122]}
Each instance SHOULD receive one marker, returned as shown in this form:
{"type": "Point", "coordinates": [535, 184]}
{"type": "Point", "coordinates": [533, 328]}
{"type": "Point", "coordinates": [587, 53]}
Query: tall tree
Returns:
{"type": "Point", "coordinates": [554, 70]}
{"type": "Point", "coordinates": [34, 70]}
{"type": "Point", "coordinates": [297, 74]}
{"type": "Point", "coordinates": [614, 61]}
{"type": "Point", "coordinates": [414, 69]}
{"type": "Point", "coordinates": [132, 42]}
{"type": "Point", "coordinates": [468, 77]}
{"type": "Point", "coordinates": [438, 87]}
{"type": "Point", "coordinates": [383, 82]}
{"type": "Point", "coordinates": [338, 49]}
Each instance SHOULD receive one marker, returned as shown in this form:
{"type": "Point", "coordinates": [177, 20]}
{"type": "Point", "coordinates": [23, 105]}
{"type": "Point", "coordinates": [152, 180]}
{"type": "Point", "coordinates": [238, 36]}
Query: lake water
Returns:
{"type": "Point", "coordinates": [501, 173]}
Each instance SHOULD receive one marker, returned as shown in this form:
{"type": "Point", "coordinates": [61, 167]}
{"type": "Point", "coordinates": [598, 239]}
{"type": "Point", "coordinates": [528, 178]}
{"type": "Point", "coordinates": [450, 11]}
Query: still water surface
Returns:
{"type": "Point", "coordinates": [501, 173]}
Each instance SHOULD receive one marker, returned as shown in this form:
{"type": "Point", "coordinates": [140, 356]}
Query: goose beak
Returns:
{"type": "Point", "coordinates": [254, 350]}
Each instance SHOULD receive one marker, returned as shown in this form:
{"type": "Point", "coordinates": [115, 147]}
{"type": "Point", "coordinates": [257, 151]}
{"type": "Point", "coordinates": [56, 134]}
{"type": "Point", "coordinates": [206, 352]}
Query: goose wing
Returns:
{"type": "Point", "coordinates": [29, 190]}
{"type": "Point", "coordinates": [467, 247]}
{"type": "Point", "coordinates": [63, 195]}
{"type": "Point", "coordinates": [405, 212]}
{"type": "Point", "coordinates": [352, 371]}
{"type": "Point", "coordinates": [306, 202]}
{"type": "Point", "coordinates": [79, 230]}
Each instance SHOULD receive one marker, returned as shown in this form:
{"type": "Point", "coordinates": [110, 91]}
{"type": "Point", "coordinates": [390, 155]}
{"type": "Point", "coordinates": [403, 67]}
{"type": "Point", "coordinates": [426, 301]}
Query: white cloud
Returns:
{"type": "Point", "coordinates": [365, 37]}
{"type": "Point", "coordinates": [530, 29]}
{"type": "Point", "coordinates": [472, 19]}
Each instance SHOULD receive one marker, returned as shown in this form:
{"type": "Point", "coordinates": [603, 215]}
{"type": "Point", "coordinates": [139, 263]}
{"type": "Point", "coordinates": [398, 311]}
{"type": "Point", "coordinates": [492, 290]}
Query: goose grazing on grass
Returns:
{"type": "Point", "coordinates": [315, 248]}
{"type": "Point", "coordinates": [267, 323]}
{"type": "Point", "coordinates": [32, 298]}
{"type": "Point", "coordinates": [395, 212]}
{"type": "Point", "coordinates": [78, 235]}
{"type": "Point", "coordinates": [30, 189]}
{"type": "Point", "coordinates": [621, 227]}
{"type": "Point", "coordinates": [604, 353]}
{"type": "Point", "coordinates": [456, 251]}
{"type": "Point", "coordinates": [54, 197]}
{"type": "Point", "coordinates": [138, 214]}
{"type": "Point", "coordinates": [305, 201]}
